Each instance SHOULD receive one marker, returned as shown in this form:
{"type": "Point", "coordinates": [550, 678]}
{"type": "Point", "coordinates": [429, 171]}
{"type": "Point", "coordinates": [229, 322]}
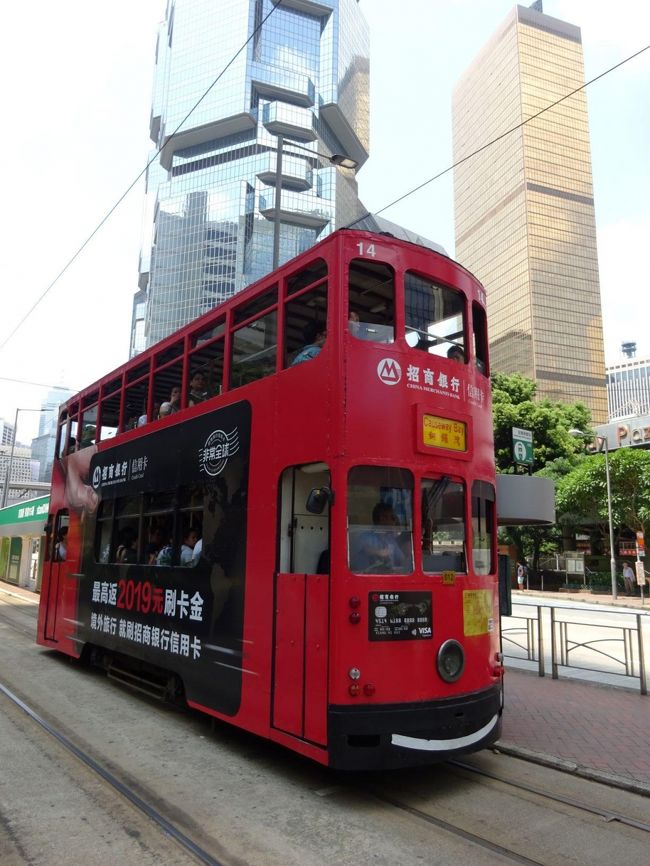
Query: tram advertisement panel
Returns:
{"type": "Point", "coordinates": [177, 607]}
{"type": "Point", "coordinates": [399, 616]}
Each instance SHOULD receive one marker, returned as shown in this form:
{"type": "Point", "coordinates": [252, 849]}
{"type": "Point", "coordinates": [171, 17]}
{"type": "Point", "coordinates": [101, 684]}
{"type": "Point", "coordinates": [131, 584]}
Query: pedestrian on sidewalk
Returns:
{"type": "Point", "coordinates": [521, 575]}
{"type": "Point", "coordinates": [629, 579]}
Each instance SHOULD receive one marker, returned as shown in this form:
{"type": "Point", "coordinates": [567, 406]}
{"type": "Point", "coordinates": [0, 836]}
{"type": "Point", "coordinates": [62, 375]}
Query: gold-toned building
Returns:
{"type": "Point", "coordinates": [524, 207]}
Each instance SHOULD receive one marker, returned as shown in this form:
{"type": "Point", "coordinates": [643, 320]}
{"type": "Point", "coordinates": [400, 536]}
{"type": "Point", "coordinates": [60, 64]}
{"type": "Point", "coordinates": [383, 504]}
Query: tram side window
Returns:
{"type": "Point", "coordinates": [60, 538]}
{"type": "Point", "coordinates": [371, 301]}
{"type": "Point", "coordinates": [88, 427]}
{"type": "Point", "coordinates": [479, 320]}
{"type": "Point", "coordinates": [443, 525]}
{"type": "Point", "coordinates": [305, 312]}
{"type": "Point", "coordinates": [253, 350]}
{"type": "Point", "coordinates": [109, 415]}
{"type": "Point", "coordinates": [434, 318]}
{"type": "Point", "coordinates": [104, 531]}
{"type": "Point", "coordinates": [380, 520]}
{"type": "Point", "coordinates": [127, 530]}
{"type": "Point", "coordinates": [483, 519]}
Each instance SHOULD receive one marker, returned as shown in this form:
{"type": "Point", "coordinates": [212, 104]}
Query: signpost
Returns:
{"type": "Point", "coordinates": [522, 447]}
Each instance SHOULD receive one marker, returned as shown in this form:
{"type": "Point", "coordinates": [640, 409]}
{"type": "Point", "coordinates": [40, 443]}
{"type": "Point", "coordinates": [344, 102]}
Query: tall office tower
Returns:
{"type": "Point", "coordinates": [301, 82]}
{"type": "Point", "coordinates": [43, 444]}
{"type": "Point", "coordinates": [524, 207]}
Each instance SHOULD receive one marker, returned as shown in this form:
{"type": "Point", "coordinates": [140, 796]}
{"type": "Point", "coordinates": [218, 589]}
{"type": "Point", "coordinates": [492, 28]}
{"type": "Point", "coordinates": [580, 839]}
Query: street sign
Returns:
{"type": "Point", "coordinates": [522, 446]}
{"type": "Point", "coordinates": [640, 573]}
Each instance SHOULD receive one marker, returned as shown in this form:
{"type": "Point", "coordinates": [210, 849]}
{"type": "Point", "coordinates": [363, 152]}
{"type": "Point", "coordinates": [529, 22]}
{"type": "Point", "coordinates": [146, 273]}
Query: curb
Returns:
{"type": "Point", "coordinates": [25, 595]}
{"type": "Point", "coordinates": [566, 766]}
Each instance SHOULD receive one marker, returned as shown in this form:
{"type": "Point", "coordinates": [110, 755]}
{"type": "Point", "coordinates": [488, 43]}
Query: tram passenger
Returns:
{"type": "Point", "coordinates": [314, 336]}
{"type": "Point", "coordinates": [61, 546]}
{"type": "Point", "coordinates": [175, 398]}
{"type": "Point", "coordinates": [455, 353]}
{"type": "Point", "coordinates": [379, 549]}
{"type": "Point", "coordinates": [165, 410]}
{"type": "Point", "coordinates": [197, 392]}
{"type": "Point", "coordinates": [190, 540]}
{"type": "Point", "coordinates": [127, 551]}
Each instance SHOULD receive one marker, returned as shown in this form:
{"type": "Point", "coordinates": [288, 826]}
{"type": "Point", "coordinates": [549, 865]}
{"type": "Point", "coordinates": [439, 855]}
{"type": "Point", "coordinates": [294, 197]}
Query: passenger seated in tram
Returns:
{"type": "Point", "coordinates": [314, 336]}
{"type": "Point", "coordinates": [456, 353]}
{"type": "Point", "coordinates": [197, 393]}
{"type": "Point", "coordinates": [190, 540]}
{"type": "Point", "coordinates": [127, 550]}
{"type": "Point", "coordinates": [379, 550]}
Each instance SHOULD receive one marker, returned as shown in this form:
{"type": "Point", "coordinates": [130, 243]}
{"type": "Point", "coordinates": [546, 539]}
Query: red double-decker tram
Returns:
{"type": "Point", "coordinates": [286, 511]}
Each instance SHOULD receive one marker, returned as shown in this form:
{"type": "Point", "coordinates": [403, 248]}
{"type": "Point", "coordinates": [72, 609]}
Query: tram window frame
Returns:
{"type": "Point", "coordinates": [421, 318]}
{"type": "Point", "coordinates": [110, 407]}
{"type": "Point", "coordinates": [240, 341]}
{"type": "Point", "coordinates": [88, 423]}
{"type": "Point", "coordinates": [104, 531]}
{"type": "Point", "coordinates": [444, 495]}
{"type": "Point", "coordinates": [302, 310]}
{"type": "Point", "coordinates": [369, 488]}
{"type": "Point", "coordinates": [314, 272]}
{"type": "Point", "coordinates": [165, 379]}
{"type": "Point", "coordinates": [479, 326]}
{"type": "Point", "coordinates": [62, 434]}
{"type": "Point", "coordinates": [372, 299]}
{"type": "Point", "coordinates": [483, 526]}
{"type": "Point", "coordinates": [61, 522]}
{"type": "Point", "coordinates": [136, 403]}
{"type": "Point", "coordinates": [209, 358]}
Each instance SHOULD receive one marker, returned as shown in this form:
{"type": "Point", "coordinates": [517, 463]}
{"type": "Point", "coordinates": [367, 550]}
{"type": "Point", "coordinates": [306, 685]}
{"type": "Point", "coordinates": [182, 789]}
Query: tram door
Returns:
{"type": "Point", "coordinates": [301, 609]}
{"type": "Point", "coordinates": [57, 553]}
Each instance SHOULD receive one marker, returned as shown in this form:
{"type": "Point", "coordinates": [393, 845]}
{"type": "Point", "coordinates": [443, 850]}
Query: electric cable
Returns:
{"type": "Point", "coordinates": [495, 140]}
{"type": "Point", "coordinates": [104, 219]}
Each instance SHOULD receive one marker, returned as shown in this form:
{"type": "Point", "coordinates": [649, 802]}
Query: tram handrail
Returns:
{"type": "Point", "coordinates": [620, 644]}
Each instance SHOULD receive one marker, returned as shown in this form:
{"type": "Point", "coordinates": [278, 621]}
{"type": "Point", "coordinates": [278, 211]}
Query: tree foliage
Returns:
{"type": "Point", "coordinates": [582, 494]}
{"type": "Point", "coordinates": [514, 405]}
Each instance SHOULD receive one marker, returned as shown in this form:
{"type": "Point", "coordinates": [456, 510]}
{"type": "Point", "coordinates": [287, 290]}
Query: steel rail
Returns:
{"type": "Point", "coordinates": [166, 826]}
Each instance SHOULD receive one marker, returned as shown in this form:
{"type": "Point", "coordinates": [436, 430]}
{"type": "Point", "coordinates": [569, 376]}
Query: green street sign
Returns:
{"type": "Point", "coordinates": [522, 446]}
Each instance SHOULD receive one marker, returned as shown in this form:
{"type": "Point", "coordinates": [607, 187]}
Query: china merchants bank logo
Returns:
{"type": "Point", "coordinates": [97, 477]}
{"type": "Point", "coordinates": [219, 446]}
{"type": "Point", "coordinates": [389, 371]}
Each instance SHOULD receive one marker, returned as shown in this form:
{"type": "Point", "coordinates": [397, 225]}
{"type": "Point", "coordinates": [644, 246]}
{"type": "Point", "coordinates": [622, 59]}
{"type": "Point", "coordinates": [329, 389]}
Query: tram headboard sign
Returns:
{"type": "Point", "coordinates": [399, 616]}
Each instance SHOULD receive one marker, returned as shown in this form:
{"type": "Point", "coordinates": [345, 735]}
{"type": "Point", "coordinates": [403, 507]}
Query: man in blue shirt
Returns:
{"type": "Point", "coordinates": [314, 335]}
{"type": "Point", "coordinates": [378, 550]}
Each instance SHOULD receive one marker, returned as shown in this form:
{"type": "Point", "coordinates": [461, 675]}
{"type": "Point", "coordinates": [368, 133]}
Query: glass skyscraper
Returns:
{"type": "Point", "coordinates": [524, 207]}
{"type": "Point", "coordinates": [303, 76]}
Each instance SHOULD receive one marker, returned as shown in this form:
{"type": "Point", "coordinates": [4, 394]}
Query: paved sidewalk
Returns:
{"type": "Point", "coordinates": [596, 731]}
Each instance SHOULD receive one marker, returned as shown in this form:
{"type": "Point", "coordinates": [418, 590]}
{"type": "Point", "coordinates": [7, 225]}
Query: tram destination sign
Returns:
{"type": "Point", "coordinates": [399, 616]}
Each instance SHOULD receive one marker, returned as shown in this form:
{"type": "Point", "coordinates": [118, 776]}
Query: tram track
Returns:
{"type": "Point", "coordinates": [606, 814]}
{"type": "Point", "coordinates": [165, 825]}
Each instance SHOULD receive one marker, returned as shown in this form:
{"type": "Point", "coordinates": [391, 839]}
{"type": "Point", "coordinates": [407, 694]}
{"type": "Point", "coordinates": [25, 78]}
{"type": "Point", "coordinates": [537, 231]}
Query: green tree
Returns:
{"type": "Point", "coordinates": [581, 496]}
{"type": "Point", "coordinates": [514, 405]}
{"type": "Point", "coordinates": [556, 452]}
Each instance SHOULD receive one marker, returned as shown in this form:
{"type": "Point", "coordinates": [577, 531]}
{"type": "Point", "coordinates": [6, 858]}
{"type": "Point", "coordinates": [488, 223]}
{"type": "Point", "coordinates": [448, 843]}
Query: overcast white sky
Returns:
{"type": "Point", "coordinates": [77, 89]}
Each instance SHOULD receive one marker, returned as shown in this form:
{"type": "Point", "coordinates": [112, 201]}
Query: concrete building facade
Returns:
{"type": "Point", "coordinates": [524, 207]}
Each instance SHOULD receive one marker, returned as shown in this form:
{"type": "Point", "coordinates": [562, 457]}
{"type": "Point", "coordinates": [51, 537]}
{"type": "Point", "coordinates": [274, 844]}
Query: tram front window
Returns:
{"type": "Point", "coordinates": [443, 526]}
{"type": "Point", "coordinates": [380, 520]}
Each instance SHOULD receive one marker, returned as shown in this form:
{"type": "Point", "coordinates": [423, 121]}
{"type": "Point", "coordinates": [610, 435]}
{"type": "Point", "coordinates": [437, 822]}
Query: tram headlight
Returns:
{"type": "Point", "coordinates": [451, 661]}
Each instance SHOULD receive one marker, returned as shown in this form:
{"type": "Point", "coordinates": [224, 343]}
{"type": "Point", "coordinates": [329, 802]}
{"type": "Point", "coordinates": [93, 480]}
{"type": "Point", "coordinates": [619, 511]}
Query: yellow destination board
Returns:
{"type": "Point", "coordinates": [478, 617]}
{"type": "Point", "coordinates": [440, 432]}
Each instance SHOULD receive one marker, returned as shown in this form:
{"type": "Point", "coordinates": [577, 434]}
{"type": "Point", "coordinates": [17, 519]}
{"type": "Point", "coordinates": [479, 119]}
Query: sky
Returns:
{"type": "Point", "coordinates": [77, 98]}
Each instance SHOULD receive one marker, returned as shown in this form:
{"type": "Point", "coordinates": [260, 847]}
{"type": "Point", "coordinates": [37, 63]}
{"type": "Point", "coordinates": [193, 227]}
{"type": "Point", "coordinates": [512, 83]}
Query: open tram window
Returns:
{"type": "Point", "coordinates": [167, 381]}
{"type": "Point", "coordinates": [479, 320]}
{"type": "Point", "coordinates": [443, 525]}
{"type": "Point", "coordinates": [127, 530]}
{"type": "Point", "coordinates": [434, 318]}
{"type": "Point", "coordinates": [305, 311]}
{"type": "Point", "coordinates": [158, 528]}
{"type": "Point", "coordinates": [380, 520]}
{"type": "Point", "coordinates": [59, 552]}
{"type": "Point", "coordinates": [371, 301]}
{"type": "Point", "coordinates": [109, 416]}
{"type": "Point", "coordinates": [104, 531]}
{"type": "Point", "coordinates": [89, 420]}
{"type": "Point", "coordinates": [254, 348]}
{"type": "Point", "coordinates": [136, 397]}
{"type": "Point", "coordinates": [191, 524]}
{"type": "Point", "coordinates": [303, 536]}
{"type": "Point", "coordinates": [62, 434]}
{"type": "Point", "coordinates": [483, 517]}
{"type": "Point", "coordinates": [207, 357]}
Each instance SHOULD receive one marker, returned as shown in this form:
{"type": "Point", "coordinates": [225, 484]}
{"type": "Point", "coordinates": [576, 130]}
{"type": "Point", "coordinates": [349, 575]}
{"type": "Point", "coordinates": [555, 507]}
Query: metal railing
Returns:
{"type": "Point", "coordinates": [606, 647]}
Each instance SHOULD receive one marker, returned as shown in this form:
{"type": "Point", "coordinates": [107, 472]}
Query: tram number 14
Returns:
{"type": "Point", "coordinates": [366, 249]}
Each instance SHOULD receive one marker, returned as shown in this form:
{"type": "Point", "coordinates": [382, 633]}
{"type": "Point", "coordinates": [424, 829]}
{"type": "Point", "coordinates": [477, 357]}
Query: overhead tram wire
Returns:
{"type": "Point", "coordinates": [275, 5]}
{"type": "Point", "coordinates": [498, 138]}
